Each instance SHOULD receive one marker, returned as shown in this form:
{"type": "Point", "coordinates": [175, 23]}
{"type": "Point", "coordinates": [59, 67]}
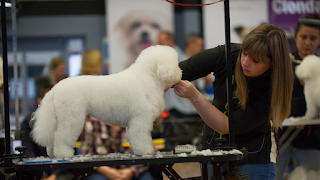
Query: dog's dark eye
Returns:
{"type": "Point", "coordinates": [136, 25]}
{"type": "Point", "coordinates": [156, 26]}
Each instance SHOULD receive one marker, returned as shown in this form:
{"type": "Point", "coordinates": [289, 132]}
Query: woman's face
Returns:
{"type": "Point", "coordinates": [59, 71]}
{"type": "Point", "coordinates": [252, 67]}
{"type": "Point", "coordinates": [307, 40]}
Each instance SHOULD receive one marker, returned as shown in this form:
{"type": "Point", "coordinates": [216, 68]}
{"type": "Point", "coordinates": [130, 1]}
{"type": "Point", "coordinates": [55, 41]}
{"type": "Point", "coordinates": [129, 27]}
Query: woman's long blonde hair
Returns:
{"type": "Point", "coordinates": [91, 62]}
{"type": "Point", "coordinates": [269, 44]}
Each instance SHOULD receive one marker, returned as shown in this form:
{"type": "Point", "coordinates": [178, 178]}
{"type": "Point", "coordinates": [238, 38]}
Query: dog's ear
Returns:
{"type": "Point", "coordinates": [166, 63]}
{"type": "Point", "coordinates": [165, 73]}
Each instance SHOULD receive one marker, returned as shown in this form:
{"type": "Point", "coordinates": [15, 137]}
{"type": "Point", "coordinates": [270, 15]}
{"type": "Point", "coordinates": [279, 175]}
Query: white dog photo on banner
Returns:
{"type": "Point", "coordinates": [133, 98]}
{"type": "Point", "coordinates": [132, 28]}
{"type": "Point", "coordinates": [137, 30]}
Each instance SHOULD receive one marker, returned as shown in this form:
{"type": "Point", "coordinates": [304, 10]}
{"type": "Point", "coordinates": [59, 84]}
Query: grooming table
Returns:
{"type": "Point", "coordinates": [287, 137]}
{"type": "Point", "coordinates": [83, 164]}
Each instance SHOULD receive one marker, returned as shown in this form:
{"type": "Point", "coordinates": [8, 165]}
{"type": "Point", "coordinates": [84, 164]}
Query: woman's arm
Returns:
{"type": "Point", "coordinates": [210, 114]}
{"type": "Point", "coordinates": [109, 172]}
{"type": "Point", "coordinates": [201, 64]}
{"type": "Point", "coordinates": [255, 114]}
{"type": "Point", "coordinates": [206, 62]}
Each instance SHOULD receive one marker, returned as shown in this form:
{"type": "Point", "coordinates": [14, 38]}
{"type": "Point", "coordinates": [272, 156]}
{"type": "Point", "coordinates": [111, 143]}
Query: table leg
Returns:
{"type": "Point", "coordinates": [204, 168]}
{"type": "Point", "coordinates": [287, 143]}
{"type": "Point", "coordinates": [169, 171]}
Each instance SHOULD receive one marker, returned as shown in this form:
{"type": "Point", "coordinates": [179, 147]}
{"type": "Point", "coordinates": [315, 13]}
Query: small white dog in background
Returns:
{"type": "Point", "coordinates": [309, 72]}
{"type": "Point", "coordinates": [242, 31]}
{"type": "Point", "coordinates": [133, 98]}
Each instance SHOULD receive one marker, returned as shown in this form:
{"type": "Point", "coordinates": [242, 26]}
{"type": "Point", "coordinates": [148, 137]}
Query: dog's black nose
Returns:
{"type": "Point", "coordinates": [145, 36]}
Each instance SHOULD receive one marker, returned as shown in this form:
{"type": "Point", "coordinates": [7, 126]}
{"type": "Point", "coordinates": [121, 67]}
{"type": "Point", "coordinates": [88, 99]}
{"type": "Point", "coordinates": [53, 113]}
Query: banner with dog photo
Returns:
{"type": "Point", "coordinates": [134, 26]}
{"type": "Point", "coordinates": [244, 16]}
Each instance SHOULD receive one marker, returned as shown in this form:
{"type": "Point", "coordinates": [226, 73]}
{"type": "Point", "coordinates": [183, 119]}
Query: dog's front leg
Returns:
{"type": "Point", "coordinates": [139, 136]}
{"type": "Point", "coordinates": [312, 110]}
{"type": "Point", "coordinates": [63, 146]}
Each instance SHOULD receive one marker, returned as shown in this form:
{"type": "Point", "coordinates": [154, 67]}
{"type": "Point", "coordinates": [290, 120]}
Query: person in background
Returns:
{"type": "Point", "coordinates": [263, 82]}
{"type": "Point", "coordinates": [33, 149]}
{"type": "Point", "coordinates": [168, 39]}
{"type": "Point", "coordinates": [307, 142]}
{"type": "Point", "coordinates": [54, 73]}
{"type": "Point", "coordinates": [194, 45]}
{"type": "Point", "coordinates": [91, 62]}
{"type": "Point", "coordinates": [57, 70]}
{"type": "Point", "coordinates": [98, 138]}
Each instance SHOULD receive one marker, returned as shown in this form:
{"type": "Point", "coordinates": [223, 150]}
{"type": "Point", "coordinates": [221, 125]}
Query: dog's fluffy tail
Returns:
{"type": "Point", "coordinates": [44, 121]}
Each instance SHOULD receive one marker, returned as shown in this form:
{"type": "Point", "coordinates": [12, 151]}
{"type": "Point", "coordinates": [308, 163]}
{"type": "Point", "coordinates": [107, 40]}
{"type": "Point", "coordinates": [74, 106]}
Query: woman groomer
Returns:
{"type": "Point", "coordinates": [263, 82]}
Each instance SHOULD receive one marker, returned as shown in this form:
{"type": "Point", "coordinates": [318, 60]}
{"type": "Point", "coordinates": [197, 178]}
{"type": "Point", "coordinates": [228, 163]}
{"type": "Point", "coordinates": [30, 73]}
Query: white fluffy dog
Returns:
{"type": "Point", "coordinates": [133, 98]}
{"type": "Point", "coordinates": [309, 72]}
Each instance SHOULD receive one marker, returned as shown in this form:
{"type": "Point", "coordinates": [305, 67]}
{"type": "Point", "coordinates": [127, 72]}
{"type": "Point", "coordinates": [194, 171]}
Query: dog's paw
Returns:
{"type": "Point", "coordinates": [310, 115]}
{"type": "Point", "coordinates": [65, 152]}
{"type": "Point", "coordinates": [145, 151]}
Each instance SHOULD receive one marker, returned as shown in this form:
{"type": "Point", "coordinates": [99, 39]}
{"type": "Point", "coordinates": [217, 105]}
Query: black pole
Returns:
{"type": "Point", "coordinates": [229, 73]}
{"type": "Point", "coordinates": [8, 161]}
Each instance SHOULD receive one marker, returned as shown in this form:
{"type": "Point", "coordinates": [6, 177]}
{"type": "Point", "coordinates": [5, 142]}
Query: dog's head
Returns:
{"type": "Point", "coordinates": [165, 63]}
{"type": "Point", "coordinates": [308, 68]}
{"type": "Point", "coordinates": [140, 29]}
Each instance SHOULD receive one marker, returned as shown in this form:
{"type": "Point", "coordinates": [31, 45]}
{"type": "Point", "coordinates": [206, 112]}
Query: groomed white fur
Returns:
{"type": "Point", "coordinates": [133, 98]}
{"type": "Point", "coordinates": [309, 72]}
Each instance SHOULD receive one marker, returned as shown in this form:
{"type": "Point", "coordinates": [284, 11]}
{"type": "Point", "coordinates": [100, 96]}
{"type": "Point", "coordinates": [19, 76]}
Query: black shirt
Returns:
{"type": "Point", "coordinates": [252, 127]}
{"type": "Point", "coordinates": [298, 102]}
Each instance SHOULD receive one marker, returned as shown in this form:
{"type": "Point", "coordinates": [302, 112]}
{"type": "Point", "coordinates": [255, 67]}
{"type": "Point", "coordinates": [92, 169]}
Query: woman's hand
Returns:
{"type": "Point", "coordinates": [212, 116]}
{"type": "Point", "coordinates": [186, 89]}
{"type": "Point", "coordinates": [301, 82]}
{"type": "Point", "coordinates": [291, 57]}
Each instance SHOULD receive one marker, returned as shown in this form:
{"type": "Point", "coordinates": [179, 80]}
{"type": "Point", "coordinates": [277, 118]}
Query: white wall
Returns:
{"type": "Point", "coordinates": [249, 13]}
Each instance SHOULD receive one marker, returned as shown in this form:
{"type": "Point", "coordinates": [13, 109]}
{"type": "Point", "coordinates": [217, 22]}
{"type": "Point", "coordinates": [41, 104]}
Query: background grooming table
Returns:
{"type": "Point", "coordinates": [287, 137]}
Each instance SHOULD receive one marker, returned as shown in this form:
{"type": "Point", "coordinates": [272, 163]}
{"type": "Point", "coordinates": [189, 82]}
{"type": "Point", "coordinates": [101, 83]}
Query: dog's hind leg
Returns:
{"type": "Point", "coordinates": [68, 131]}
{"type": "Point", "coordinates": [50, 151]}
{"type": "Point", "coordinates": [139, 136]}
